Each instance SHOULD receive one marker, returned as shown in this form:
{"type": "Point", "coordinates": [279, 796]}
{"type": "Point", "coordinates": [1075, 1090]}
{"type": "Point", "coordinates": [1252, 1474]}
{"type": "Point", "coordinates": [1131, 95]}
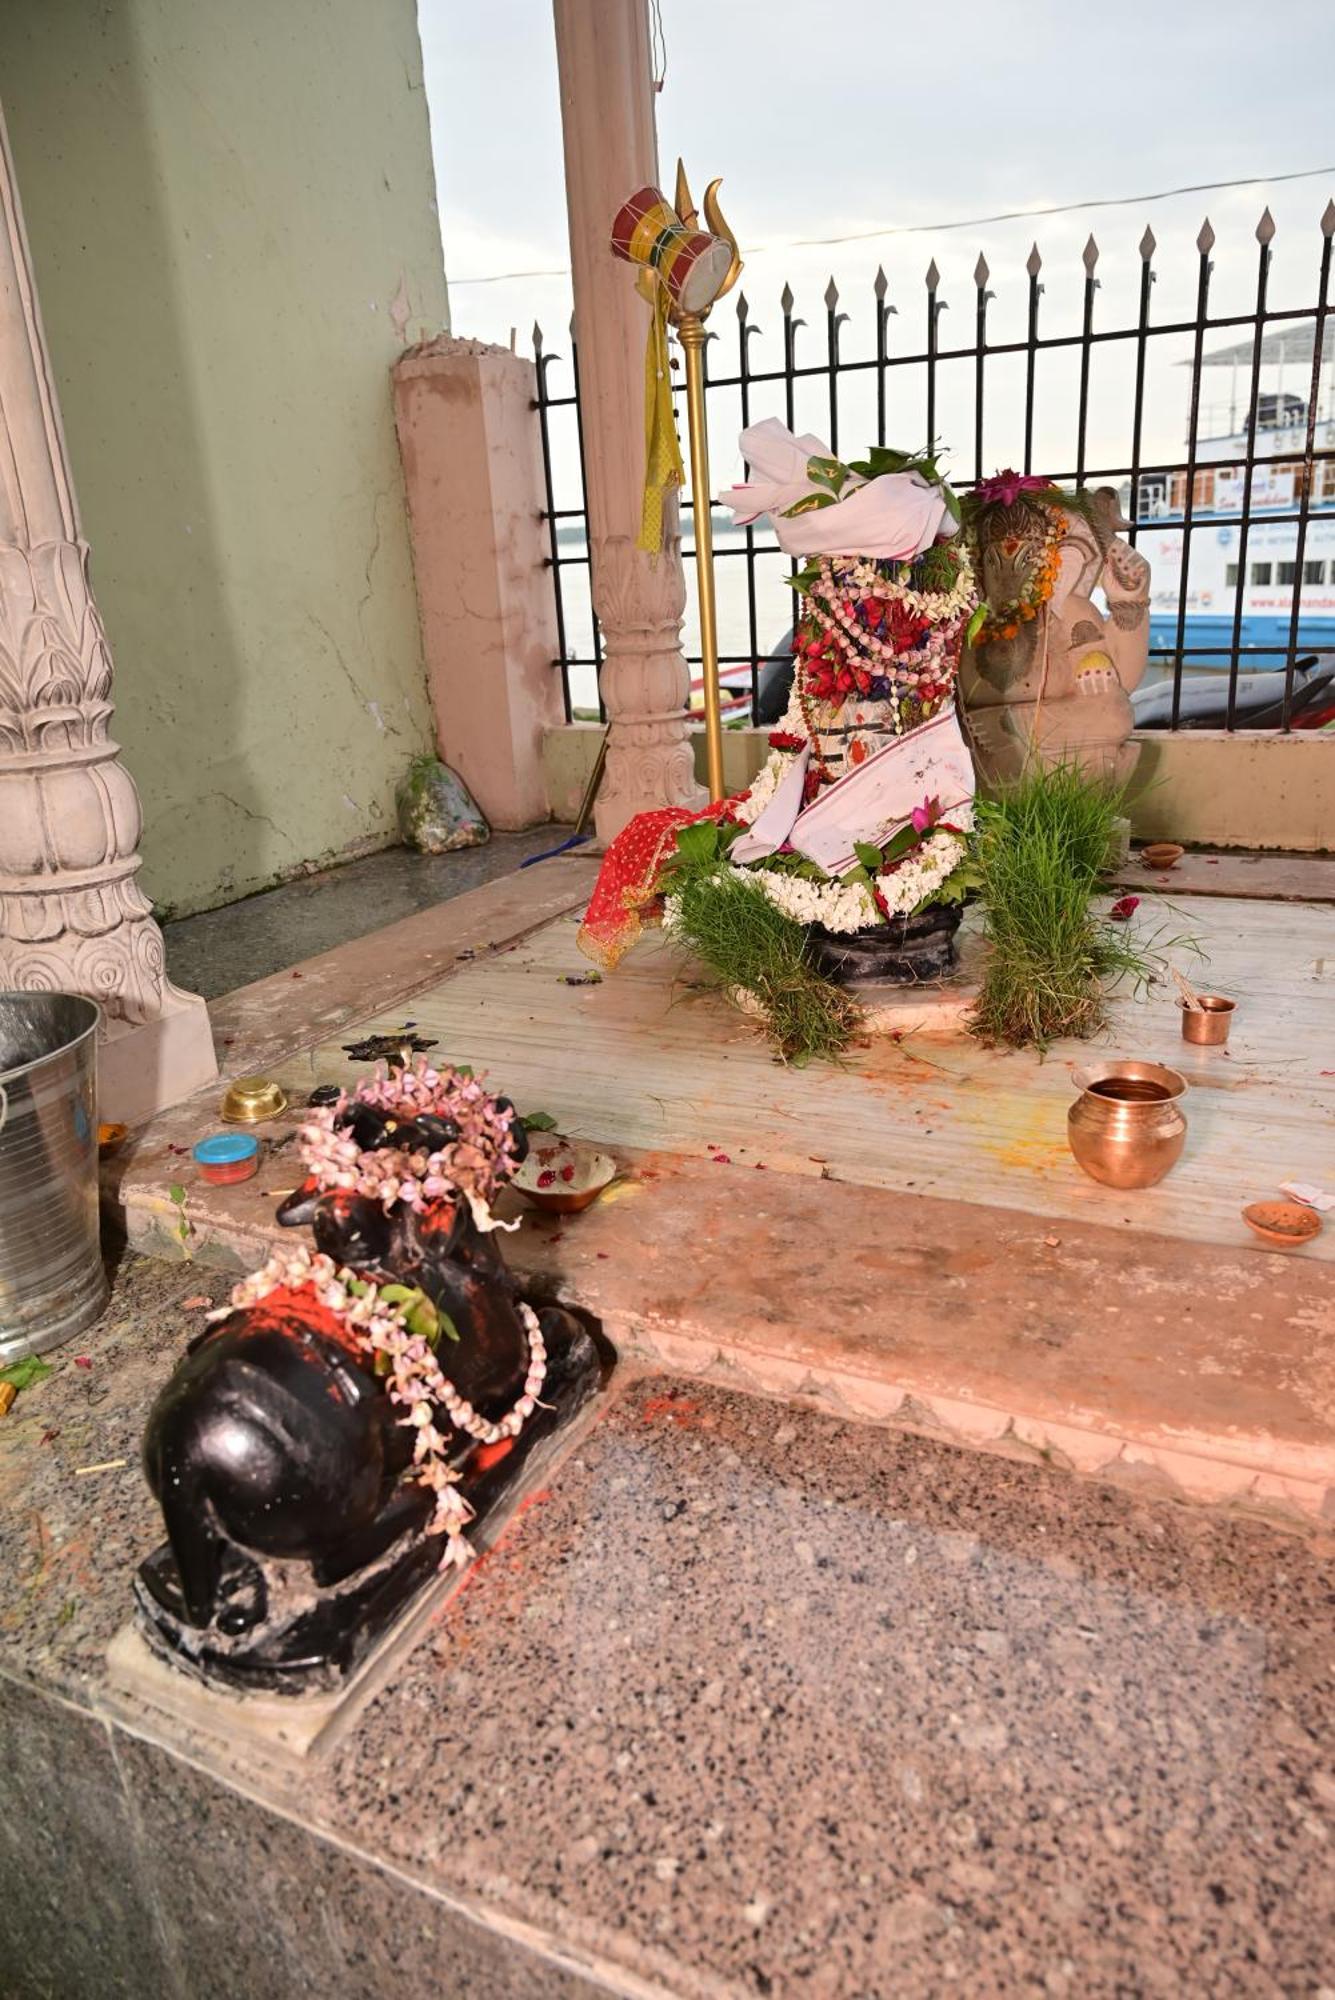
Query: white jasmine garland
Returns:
{"type": "Point", "coordinates": [767, 781]}
{"type": "Point", "coordinates": [843, 907]}
{"type": "Point", "coordinates": [931, 863]}
{"type": "Point", "coordinates": [836, 905]}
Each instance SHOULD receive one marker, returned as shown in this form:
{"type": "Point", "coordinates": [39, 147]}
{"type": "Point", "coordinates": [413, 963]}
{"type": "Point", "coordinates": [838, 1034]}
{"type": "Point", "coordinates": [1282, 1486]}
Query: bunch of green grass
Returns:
{"type": "Point", "coordinates": [734, 929]}
{"type": "Point", "coordinates": [1042, 847]}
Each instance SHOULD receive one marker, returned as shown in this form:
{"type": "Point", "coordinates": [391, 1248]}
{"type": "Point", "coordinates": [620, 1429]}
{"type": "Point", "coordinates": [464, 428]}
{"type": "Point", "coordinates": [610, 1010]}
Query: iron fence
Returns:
{"type": "Point", "coordinates": [1274, 464]}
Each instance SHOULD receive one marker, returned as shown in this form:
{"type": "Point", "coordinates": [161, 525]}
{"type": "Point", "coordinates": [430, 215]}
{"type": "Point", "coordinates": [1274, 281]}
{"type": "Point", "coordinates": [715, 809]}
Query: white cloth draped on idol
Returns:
{"type": "Point", "coordinates": [895, 516]}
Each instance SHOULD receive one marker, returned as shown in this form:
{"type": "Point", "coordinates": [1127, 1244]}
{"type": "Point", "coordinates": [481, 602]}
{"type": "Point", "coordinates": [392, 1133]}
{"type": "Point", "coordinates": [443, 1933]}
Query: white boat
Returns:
{"type": "Point", "coordinates": [1279, 478]}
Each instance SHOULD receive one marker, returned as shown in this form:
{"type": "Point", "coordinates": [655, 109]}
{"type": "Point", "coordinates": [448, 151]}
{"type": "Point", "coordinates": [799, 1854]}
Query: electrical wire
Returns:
{"type": "Point", "coordinates": [967, 222]}
{"type": "Point", "coordinates": [657, 46]}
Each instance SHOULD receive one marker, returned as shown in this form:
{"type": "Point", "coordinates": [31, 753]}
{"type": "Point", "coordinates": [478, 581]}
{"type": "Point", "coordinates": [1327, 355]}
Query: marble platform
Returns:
{"type": "Point", "coordinates": [906, 1238]}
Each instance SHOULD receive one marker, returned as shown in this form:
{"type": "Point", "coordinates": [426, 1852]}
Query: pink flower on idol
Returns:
{"type": "Point", "coordinates": [1004, 488]}
{"type": "Point", "coordinates": [1124, 909]}
{"type": "Point", "coordinates": [925, 815]}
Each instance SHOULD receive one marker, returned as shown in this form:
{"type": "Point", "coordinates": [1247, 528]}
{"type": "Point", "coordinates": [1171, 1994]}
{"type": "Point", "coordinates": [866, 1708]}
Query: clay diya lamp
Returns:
{"type": "Point", "coordinates": [1126, 1128]}
{"type": "Point", "coordinates": [1207, 1024]}
{"type": "Point", "coordinates": [1161, 854]}
{"type": "Point", "coordinates": [251, 1100]}
{"type": "Point", "coordinates": [1284, 1225]}
{"type": "Point", "coordinates": [564, 1175]}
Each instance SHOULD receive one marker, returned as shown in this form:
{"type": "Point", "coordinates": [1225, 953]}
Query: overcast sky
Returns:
{"type": "Point", "coordinates": [869, 115]}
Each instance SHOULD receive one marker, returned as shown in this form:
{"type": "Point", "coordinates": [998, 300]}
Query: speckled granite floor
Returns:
{"type": "Point", "coordinates": [751, 1702]}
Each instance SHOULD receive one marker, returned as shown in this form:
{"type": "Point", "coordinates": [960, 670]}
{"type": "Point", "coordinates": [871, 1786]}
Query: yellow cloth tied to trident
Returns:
{"type": "Point", "coordinates": [662, 450]}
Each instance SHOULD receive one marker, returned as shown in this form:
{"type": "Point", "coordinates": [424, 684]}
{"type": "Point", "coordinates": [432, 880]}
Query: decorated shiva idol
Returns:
{"type": "Point", "coordinates": [329, 1442]}
{"type": "Point", "coordinates": [857, 828]}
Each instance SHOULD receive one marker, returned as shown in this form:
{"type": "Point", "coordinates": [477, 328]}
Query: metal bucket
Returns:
{"type": "Point", "coordinates": [52, 1281]}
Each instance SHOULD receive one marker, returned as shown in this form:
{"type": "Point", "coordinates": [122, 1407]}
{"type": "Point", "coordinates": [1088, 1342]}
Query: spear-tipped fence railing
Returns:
{"type": "Point", "coordinates": [1167, 494]}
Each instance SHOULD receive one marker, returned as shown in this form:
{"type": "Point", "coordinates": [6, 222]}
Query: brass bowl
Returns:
{"type": "Point", "coordinates": [1283, 1224]}
{"type": "Point", "coordinates": [1208, 1024]}
{"type": "Point", "coordinates": [578, 1172]}
{"type": "Point", "coordinates": [1161, 854]}
{"type": "Point", "coordinates": [1126, 1128]}
{"type": "Point", "coordinates": [252, 1099]}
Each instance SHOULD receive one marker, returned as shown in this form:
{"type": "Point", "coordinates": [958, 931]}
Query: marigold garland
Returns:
{"type": "Point", "coordinates": [1004, 621]}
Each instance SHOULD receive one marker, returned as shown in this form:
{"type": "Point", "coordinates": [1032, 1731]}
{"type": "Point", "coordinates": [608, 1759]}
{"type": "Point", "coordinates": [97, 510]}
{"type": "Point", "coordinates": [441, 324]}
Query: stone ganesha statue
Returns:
{"type": "Point", "coordinates": [1050, 671]}
{"type": "Point", "coordinates": [326, 1441]}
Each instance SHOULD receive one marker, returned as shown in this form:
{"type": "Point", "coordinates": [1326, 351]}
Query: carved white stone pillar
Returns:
{"type": "Point", "coordinates": [72, 915]}
{"type": "Point", "coordinates": [611, 149]}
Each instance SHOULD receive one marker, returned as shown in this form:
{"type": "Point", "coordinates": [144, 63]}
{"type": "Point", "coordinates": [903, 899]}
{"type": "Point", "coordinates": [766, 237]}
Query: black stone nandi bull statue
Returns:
{"type": "Point", "coordinates": [326, 1441]}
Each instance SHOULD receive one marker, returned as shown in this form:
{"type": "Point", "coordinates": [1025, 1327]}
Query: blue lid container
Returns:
{"type": "Point", "coordinates": [227, 1156]}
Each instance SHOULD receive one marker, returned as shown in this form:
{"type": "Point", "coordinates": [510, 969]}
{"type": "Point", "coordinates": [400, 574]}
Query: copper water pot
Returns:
{"type": "Point", "coordinates": [1126, 1127]}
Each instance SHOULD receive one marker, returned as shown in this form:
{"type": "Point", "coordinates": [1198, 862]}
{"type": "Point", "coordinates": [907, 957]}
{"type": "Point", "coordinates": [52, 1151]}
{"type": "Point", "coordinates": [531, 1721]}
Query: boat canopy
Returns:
{"type": "Point", "coordinates": [1279, 347]}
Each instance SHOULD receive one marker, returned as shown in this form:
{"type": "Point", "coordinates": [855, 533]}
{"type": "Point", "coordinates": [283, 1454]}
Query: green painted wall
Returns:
{"type": "Point", "coordinates": [225, 200]}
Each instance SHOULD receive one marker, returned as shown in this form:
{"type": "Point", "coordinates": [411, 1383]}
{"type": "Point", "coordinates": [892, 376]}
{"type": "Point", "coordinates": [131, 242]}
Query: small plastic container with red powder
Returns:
{"type": "Point", "coordinates": [227, 1156]}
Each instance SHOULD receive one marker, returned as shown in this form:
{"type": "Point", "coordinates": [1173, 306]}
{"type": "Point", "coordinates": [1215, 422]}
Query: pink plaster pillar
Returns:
{"type": "Point", "coordinates": [611, 149]}
{"type": "Point", "coordinates": [472, 464]}
{"type": "Point", "coordinates": [72, 915]}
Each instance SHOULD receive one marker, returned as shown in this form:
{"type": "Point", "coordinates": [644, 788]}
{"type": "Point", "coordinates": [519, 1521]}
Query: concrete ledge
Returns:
{"type": "Point", "coordinates": [1250, 789]}
{"type": "Point", "coordinates": [1202, 787]}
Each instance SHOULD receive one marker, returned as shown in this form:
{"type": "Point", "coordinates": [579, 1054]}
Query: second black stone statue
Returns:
{"type": "Point", "coordinates": [335, 1435]}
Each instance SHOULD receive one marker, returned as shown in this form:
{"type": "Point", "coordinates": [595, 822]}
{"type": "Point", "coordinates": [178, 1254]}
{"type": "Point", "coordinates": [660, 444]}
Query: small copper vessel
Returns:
{"type": "Point", "coordinates": [1209, 1023]}
{"type": "Point", "coordinates": [1161, 854]}
{"type": "Point", "coordinates": [1126, 1128]}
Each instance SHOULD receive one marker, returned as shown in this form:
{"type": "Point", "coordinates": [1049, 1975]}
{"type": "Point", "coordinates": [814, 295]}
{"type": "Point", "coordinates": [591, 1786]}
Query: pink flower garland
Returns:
{"type": "Point", "coordinates": [415, 1381]}
{"type": "Point", "coordinates": [475, 1164]}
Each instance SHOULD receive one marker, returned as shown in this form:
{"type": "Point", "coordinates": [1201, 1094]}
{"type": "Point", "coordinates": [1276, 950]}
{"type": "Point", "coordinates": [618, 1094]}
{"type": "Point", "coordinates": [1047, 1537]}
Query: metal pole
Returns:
{"type": "Point", "coordinates": [691, 334]}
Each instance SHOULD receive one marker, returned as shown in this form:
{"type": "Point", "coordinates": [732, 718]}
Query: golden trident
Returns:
{"type": "Point", "coordinates": [691, 333]}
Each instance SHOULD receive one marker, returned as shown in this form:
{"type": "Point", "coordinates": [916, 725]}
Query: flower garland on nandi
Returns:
{"type": "Point", "coordinates": [391, 1325]}
{"type": "Point", "coordinates": [475, 1158]}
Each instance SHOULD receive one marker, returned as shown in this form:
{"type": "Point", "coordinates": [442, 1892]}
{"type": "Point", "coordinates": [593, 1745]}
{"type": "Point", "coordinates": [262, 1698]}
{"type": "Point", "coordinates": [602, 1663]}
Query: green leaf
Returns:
{"type": "Point", "coordinates": [827, 472]}
{"type": "Point", "coordinates": [698, 843]}
{"type": "Point", "coordinates": [880, 459]}
{"type": "Point", "coordinates": [538, 1121]}
{"type": "Point", "coordinates": [951, 498]}
{"type": "Point", "coordinates": [446, 1325]}
{"type": "Point", "coordinates": [177, 1194]}
{"type": "Point", "coordinates": [976, 623]}
{"type": "Point", "coordinates": [22, 1374]}
{"type": "Point", "coordinates": [424, 1321]}
{"type": "Point", "coordinates": [901, 844]}
{"type": "Point", "coordinates": [868, 854]}
{"type": "Point", "coordinates": [808, 505]}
